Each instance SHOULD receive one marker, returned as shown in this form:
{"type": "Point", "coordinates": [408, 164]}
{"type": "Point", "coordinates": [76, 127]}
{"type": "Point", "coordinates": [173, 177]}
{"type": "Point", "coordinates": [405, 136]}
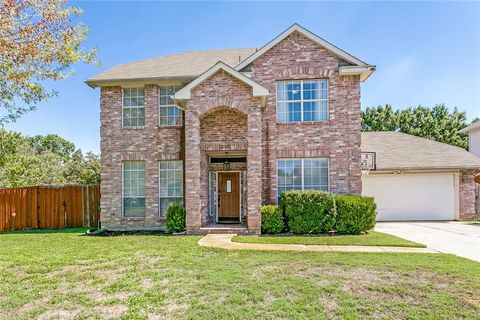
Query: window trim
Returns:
{"type": "Point", "coordinates": [176, 89]}
{"type": "Point", "coordinates": [169, 197]}
{"type": "Point", "coordinates": [123, 192]}
{"type": "Point", "coordinates": [303, 172]}
{"type": "Point", "coordinates": [132, 107]}
{"type": "Point", "coordinates": [302, 101]}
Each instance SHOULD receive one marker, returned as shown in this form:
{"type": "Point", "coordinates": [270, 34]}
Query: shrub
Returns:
{"type": "Point", "coordinates": [272, 219]}
{"type": "Point", "coordinates": [309, 211]}
{"type": "Point", "coordinates": [176, 218]}
{"type": "Point", "coordinates": [355, 214]}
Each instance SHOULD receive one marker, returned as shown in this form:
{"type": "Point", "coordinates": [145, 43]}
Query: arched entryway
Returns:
{"type": "Point", "coordinates": [222, 117]}
{"type": "Point", "coordinates": [223, 132]}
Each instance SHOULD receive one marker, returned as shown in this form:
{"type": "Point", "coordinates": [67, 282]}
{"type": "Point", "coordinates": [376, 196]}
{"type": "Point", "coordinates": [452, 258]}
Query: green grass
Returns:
{"type": "Point", "coordinates": [371, 239]}
{"type": "Point", "coordinates": [476, 223]}
{"type": "Point", "coordinates": [68, 275]}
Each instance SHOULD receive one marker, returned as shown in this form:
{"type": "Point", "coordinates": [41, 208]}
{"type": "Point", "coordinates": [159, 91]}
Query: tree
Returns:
{"type": "Point", "coordinates": [83, 169]}
{"type": "Point", "coordinates": [379, 119]}
{"type": "Point", "coordinates": [435, 123]}
{"type": "Point", "coordinates": [30, 169]}
{"type": "Point", "coordinates": [52, 143]}
{"type": "Point", "coordinates": [44, 160]}
{"type": "Point", "coordinates": [38, 42]}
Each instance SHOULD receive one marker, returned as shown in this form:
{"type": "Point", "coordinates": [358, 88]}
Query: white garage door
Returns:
{"type": "Point", "coordinates": [412, 196]}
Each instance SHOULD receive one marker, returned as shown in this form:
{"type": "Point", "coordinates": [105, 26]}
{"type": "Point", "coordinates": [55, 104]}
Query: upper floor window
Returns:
{"type": "Point", "coordinates": [133, 107]}
{"type": "Point", "coordinates": [170, 114]}
{"type": "Point", "coordinates": [302, 101]}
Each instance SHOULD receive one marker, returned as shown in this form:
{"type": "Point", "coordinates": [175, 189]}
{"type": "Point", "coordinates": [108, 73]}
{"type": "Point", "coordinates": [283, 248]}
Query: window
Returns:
{"type": "Point", "coordinates": [302, 174]}
{"type": "Point", "coordinates": [170, 114]}
{"type": "Point", "coordinates": [170, 184]}
{"type": "Point", "coordinates": [133, 189]}
{"type": "Point", "coordinates": [133, 107]}
{"type": "Point", "coordinates": [302, 101]}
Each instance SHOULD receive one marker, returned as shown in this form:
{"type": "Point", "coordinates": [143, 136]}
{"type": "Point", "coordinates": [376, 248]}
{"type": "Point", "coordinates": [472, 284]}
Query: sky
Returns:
{"type": "Point", "coordinates": [426, 53]}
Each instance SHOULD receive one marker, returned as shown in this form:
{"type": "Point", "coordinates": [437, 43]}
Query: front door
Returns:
{"type": "Point", "coordinates": [229, 197]}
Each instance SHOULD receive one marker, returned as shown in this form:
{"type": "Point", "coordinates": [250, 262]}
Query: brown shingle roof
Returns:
{"type": "Point", "coordinates": [473, 126]}
{"type": "Point", "coordinates": [185, 65]}
{"type": "Point", "coordinates": [395, 150]}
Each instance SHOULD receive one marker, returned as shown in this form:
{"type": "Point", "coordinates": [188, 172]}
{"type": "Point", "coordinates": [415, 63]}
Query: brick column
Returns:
{"type": "Point", "coordinates": [254, 170]}
{"type": "Point", "coordinates": [192, 170]}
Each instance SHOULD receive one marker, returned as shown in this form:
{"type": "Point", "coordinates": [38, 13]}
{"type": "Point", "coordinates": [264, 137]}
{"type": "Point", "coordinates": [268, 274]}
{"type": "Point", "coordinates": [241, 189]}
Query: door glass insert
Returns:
{"type": "Point", "coordinates": [229, 185]}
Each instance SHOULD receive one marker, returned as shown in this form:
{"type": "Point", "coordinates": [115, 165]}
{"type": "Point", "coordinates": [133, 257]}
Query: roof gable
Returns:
{"type": "Point", "coordinates": [313, 37]}
{"type": "Point", "coordinates": [185, 92]}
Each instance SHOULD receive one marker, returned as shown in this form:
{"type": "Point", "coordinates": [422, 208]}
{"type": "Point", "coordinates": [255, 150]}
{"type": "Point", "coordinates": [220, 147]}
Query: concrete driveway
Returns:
{"type": "Point", "coordinates": [458, 238]}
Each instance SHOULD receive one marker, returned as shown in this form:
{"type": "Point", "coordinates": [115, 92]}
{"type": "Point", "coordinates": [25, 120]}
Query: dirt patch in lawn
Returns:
{"type": "Point", "coordinates": [375, 284]}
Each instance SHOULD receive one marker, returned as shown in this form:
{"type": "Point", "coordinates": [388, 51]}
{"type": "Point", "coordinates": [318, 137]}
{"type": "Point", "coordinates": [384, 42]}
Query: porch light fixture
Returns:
{"type": "Point", "coordinates": [226, 165]}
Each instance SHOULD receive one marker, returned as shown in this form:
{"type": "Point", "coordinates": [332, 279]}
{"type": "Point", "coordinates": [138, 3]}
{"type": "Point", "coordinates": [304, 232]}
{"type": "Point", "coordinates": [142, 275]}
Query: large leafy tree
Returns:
{"type": "Point", "coordinates": [44, 160]}
{"type": "Point", "coordinates": [39, 41]}
{"type": "Point", "coordinates": [436, 123]}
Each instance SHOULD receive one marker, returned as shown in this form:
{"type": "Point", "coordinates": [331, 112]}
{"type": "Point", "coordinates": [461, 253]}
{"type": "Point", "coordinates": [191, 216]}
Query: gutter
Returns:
{"type": "Point", "coordinates": [363, 71]}
{"type": "Point", "coordinates": [94, 83]}
{"type": "Point", "coordinates": [474, 167]}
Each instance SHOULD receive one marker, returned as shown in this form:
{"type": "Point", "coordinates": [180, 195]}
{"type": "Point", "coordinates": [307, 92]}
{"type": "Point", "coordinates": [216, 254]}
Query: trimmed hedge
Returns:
{"type": "Point", "coordinates": [176, 218]}
{"type": "Point", "coordinates": [272, 219]}
{"type": "Point", "coordinates": [355, 214]}
{"type": "Point", "coordinates": [309, 211]}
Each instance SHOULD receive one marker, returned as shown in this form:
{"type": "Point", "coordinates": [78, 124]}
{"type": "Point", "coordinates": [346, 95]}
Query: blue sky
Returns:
{"type": "Point", "coordinates": [426, 52]}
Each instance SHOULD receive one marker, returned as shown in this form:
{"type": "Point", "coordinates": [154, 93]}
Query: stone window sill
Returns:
{"type": "Point", "coordinates": [178, 126]}
{"type": "Point", "coordinates": [133, 128]}
{"type": "Point", "coordinates": [297, 123]}
{"type": "Point", "coordinates": [133, 219]}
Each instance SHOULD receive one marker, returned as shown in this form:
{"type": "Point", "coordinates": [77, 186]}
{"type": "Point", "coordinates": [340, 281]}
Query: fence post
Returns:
{"type": "Point", "coordinates": [88, 206]}
{"type": "Point", "coordinates": [83, 207]}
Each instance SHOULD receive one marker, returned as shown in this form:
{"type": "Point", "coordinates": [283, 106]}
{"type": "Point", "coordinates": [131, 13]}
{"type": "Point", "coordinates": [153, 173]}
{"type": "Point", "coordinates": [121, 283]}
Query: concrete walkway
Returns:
{"type": "Point", "coordinates": [224, 241]}
{"type": "Point", "coordinates": [458, 238]}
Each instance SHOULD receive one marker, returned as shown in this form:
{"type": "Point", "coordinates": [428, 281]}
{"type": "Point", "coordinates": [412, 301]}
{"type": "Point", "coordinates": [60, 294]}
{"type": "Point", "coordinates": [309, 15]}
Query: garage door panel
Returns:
{"type": "Point", "coordinates": [412, 196]}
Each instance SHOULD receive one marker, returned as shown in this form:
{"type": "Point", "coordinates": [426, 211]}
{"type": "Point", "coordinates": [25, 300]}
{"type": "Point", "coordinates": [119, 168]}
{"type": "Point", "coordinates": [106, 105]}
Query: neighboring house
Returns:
{"type": "Point", "coordinates": [473, 132]}
{"type": "Point", "coordinates": [419, 179]}
{"type": "Point", "coordinates": [225, 131]}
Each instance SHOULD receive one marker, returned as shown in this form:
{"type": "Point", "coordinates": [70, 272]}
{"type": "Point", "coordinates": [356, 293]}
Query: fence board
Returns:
{"type": "Point", "coordinates": [49, 207]}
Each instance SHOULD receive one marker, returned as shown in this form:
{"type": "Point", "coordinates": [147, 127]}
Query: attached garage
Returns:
{"type": "Point", "coordinates": [412, 196]}
{"type": "Point", "coordinates": [413, 178]}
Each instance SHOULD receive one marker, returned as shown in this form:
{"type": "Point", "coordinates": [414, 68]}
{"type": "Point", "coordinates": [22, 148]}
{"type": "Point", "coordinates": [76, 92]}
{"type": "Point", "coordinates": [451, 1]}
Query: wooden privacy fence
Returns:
{"type": "Point", "coordinates": [49, 207]}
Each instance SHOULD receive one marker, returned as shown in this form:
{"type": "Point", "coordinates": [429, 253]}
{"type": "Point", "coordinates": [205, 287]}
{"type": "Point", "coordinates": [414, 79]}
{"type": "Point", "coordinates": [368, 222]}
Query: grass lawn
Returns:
{"type": "Point", "coordinates": [68, 275]}
{"type": "Point", "coordinates": [371, 239]}
{"type": "Point", "coordinates": [477, 223]}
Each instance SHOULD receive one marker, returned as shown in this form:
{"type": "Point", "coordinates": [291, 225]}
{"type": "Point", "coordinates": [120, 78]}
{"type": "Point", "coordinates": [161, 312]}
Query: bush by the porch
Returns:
{"type": "Point", "coordinates": [176, 218]}
{"type": "Point", "coordinates": [272, 219]}
{"type": "Point", "coordinates": [309, 211]}
{"type": "Point", "coordinates": [355, 214]}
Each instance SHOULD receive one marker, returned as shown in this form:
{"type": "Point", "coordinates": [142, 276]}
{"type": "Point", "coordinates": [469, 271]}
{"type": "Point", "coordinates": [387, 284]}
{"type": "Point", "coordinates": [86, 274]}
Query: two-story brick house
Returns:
{"type": "Point", "coordinates": [224, 131]}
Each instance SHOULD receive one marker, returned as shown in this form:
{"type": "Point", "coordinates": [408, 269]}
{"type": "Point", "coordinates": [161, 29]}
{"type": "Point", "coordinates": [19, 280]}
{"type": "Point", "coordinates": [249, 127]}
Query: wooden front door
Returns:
{"type": "Point", "coordinates": [228, 197]}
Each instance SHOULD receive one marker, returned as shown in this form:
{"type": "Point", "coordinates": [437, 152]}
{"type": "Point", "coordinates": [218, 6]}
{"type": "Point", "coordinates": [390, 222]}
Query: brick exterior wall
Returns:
{"type": "Point", "coordinates": [222, 115]}
{"type": "Point", "coordinates": [150, 144]}
{"type": "Point", "coordinates": [338, 139]}
{"type": "Point", "coordinates": [467, 195]}
{"type": "Point", "coordinates": [230, 103]}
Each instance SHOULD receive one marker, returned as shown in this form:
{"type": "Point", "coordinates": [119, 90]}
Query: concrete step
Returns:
{"type": "Point", "coordinates": [223, 230]}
